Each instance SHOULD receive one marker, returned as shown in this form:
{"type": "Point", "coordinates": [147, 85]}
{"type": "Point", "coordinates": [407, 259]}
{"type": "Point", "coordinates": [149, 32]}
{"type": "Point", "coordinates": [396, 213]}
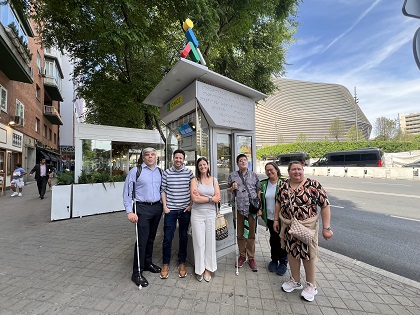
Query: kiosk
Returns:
{"type": "Point", "coordinates": [208, 115]}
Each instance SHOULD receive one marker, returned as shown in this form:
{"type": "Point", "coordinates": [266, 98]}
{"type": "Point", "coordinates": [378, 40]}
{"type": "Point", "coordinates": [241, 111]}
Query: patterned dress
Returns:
{"type": "Point", "coordinates": [305, 202]}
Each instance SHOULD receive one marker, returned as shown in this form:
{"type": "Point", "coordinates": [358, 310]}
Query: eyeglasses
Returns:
{"type": "Point", "coordinates": [242, 160]}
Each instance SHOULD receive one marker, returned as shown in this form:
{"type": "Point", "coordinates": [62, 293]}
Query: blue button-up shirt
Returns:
{"type": "Point", "coordinates": [147, 186]}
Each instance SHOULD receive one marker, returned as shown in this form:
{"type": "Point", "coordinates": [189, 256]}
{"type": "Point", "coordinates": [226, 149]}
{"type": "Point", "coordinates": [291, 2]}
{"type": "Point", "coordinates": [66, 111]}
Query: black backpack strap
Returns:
{"type": "Point", "coordinates": [139, 169]}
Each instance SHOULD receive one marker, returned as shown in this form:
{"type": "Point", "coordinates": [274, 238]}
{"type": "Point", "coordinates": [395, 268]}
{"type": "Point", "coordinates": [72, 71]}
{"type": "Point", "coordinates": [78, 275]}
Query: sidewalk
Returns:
{"type": "Point", "coordinates": [83, 266]}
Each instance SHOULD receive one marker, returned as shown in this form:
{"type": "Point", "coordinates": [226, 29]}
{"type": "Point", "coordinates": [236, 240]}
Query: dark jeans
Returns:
{"type": "Point", "coordinates": [169, 231]}
{"type": "Point", "coordinates": [41, 182]}
{"type": "Point", "coordinates": [147, 225]}
{"type": "Point", "coordinates": [277, 253]}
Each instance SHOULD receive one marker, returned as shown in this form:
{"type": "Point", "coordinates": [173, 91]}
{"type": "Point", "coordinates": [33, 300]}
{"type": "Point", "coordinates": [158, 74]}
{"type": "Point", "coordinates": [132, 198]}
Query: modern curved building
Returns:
{"type": "Point", "coordinates": [306, 109]}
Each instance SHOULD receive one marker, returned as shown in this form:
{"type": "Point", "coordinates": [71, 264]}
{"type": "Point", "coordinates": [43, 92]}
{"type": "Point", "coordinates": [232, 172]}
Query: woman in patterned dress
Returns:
{"type": "Point", "coordinates": [301, 197]}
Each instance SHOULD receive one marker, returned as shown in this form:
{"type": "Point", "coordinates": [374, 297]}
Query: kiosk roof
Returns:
{"type": "Point", "coordinates": [184, 73]}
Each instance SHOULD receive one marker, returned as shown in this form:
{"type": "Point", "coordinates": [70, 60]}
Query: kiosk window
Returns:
{"type": "Point", "coordinates": [224, 163]}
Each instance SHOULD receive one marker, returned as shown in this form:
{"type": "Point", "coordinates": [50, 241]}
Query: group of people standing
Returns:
{"type": "Point", "coordinates": [186, 198]}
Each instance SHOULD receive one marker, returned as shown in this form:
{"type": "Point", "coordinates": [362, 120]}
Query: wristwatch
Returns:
{"type": "Point", "coordinates": [328, 228]}
{"type": "Point", "coordinates": [210, 199]}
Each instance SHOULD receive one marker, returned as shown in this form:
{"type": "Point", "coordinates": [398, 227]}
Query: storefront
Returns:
{"type": "Point", "coordinates": [111, 149]}
{"type": "Point", "coordinates": [11, 147]}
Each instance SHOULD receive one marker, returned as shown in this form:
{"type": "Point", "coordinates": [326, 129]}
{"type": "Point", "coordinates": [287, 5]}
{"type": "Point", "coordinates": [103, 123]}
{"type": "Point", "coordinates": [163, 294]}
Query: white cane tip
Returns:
{"type": "Point", "coordinates": [237, 273]}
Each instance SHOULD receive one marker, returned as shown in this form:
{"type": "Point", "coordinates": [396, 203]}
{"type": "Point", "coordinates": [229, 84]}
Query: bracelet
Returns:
{"type": "Point", "coordinates": [275, 220]}
{"type": "Point", "coordinates": [328, 228]}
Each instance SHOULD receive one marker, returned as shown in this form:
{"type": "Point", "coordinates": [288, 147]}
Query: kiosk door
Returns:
{"type": "Point", "coordinates": [244, 144]}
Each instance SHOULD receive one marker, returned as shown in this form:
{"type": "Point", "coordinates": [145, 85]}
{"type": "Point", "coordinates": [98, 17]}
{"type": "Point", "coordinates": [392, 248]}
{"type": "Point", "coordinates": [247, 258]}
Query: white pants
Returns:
{"type": "Point", "coordinates": [204, 239]}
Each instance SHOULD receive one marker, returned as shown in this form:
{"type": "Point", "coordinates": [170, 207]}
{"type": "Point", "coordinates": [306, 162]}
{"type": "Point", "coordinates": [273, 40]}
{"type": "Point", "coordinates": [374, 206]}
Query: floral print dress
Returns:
{"type": "Point", "coordinates": [305, 202]}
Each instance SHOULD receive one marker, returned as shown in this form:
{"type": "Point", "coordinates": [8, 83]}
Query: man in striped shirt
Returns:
{"type": "Point", "coordinates": [176, 199]}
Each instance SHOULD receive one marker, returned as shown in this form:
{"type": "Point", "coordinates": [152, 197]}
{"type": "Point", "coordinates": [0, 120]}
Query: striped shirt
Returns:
{"type": "Point", "coordinates": [176, 186]}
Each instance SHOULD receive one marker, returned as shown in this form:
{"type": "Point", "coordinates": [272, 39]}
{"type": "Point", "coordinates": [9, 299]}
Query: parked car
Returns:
{"type": "Point", "coordinates": [370, 157]}
{"type": "Point", "coordinates": [413, 165]}
{"type": "Point", "coordinates": [284, 159]}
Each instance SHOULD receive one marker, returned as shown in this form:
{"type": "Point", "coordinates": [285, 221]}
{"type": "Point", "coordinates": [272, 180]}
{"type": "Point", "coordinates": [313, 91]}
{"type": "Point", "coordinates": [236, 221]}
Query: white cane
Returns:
{"type": "Point", "coordinates": [236, 235]}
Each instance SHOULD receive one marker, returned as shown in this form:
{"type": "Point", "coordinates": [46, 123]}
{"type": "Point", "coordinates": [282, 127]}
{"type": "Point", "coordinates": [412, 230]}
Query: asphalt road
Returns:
{"type": "Point", "coordinates": [376, 221]}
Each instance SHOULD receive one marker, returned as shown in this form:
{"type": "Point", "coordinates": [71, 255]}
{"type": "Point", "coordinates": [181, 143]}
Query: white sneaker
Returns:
{"type": "Point", "coordinates": [14, 194]}
{"type": "Point", "coordinates": [20, 195]}
{"type": "Point", "coordinates": [309, 292]}
{"type": "Point", "coordinates": [291, 285]}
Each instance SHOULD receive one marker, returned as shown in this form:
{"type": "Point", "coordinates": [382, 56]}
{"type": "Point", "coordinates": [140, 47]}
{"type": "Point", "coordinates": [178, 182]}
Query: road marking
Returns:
{"type": "Point", "coordinates": [386, 184]}
{"type": "Point", "coordinates": [373, 192]}
{"type": "Point", "coordinates": [395, 216]}
{"type": "Point", "coordinates": [336, 207]}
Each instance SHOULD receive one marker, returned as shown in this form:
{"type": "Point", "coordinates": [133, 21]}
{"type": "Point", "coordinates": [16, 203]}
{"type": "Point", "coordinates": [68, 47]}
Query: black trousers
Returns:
{"type": "Point", "coordinates": [41, 182]}
{"type": "Point", "coordinates": [147, 225]}
{"type": "Point", "coordinates": [277, 253]}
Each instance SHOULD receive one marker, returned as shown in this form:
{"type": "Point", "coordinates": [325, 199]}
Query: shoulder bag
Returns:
{"type": "Point", "coordinates": [297, 229]}
{"type": "Point", "coordinates": [254, 203]}
{"type": "Point", "coordinates": [222, 231]}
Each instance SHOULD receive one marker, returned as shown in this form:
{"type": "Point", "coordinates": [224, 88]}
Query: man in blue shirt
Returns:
{"type": "Point", "coordinates": [17, 180]}
{"type": "Point", "coordinates": [149, 212]}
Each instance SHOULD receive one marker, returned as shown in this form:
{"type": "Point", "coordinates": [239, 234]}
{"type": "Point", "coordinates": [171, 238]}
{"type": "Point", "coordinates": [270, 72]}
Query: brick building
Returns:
{"type": "Point", "coordinates": [30, 89]}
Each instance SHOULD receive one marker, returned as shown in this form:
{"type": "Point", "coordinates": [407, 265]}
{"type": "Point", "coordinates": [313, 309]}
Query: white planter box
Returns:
{"type": "Point", "coordinates": [91, 199]}
{"type": "Point", "coordinates": [61, 202]}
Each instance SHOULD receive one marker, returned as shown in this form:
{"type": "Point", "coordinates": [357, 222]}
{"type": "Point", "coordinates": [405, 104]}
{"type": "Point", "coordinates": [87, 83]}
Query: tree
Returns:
{"type": "Point", "coordinates": [122, 48]}
{"type": "Point", "coordinates": [353, 136]}
{"type": "Point", "coordinates": [302, 137]}
{"type": "Point", "coordinates": [336, 128]}
{"type": "Point", "coordinates": [386, 128]}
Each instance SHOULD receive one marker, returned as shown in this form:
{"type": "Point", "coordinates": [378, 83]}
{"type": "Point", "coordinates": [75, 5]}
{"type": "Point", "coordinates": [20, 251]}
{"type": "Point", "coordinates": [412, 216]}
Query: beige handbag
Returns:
{"type": "Point", "coordinates": [222, 231]}
{"type": "Point", "coordinates": [301, 232]}
{"type": "Point", "coordinates": [298, 230]}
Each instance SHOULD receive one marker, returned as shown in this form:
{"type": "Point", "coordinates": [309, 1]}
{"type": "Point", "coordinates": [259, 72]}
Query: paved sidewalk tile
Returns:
{"type": "Point", "coordinates": [83, 266]}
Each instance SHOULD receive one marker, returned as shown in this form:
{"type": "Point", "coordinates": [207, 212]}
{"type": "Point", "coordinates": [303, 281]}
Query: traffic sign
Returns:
{"type": "Point", "coordinates": [411, 8]}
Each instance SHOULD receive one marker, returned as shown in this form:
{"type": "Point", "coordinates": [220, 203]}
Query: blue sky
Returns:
{"type": "Point", "coordinates": [362, 43]}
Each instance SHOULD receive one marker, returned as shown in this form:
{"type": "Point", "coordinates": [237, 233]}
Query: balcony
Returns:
{"type": "Point", "coordinates": [14, 32]}
{"type": "Point", "coordinates": [52, 115]}
{"type": "Point", "coordinates": [14, 57]}
{"type": "Point", "coordinates": [52, 87]}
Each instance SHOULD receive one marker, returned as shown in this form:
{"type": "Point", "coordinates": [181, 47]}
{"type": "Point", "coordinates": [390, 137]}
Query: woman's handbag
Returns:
{"type": "Point", "coordinates": [221, 225]}
{"type": "Point", "coordinates": [301, 232]}
{"type": "Point", "coordinates": [297, 229]}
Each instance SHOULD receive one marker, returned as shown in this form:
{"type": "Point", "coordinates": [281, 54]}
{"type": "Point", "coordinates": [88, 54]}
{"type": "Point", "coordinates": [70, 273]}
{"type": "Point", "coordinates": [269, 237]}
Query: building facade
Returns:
{"type": "Point", "coordinates": [305, 110]}
{"type": "Point", "coordinates": [30, 90]}
{"type": "Point", "coordinates": [410, 123]}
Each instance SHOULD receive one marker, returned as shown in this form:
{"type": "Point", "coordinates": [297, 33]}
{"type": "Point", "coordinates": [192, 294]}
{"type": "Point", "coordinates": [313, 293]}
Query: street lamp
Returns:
{"type": "Point", "coordinates": [356, 102]}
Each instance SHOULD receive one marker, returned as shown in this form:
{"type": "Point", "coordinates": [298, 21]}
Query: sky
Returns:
{"type": "Point", "coordinates": [367, 44]}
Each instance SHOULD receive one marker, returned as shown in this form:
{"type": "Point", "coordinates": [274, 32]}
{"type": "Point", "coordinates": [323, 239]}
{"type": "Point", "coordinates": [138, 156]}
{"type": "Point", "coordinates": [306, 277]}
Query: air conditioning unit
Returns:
{"type": "Point", "coordinates": [42, 71]}
{"type": "Point", "coordinates": [18, 121]}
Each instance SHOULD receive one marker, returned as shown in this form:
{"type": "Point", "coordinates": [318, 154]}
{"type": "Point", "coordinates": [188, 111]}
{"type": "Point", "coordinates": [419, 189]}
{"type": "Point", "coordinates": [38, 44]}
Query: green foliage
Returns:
{"type": "Point", "coordinates": [100, 177]}
{"type": "Point", "coordinates": [336, 128]}
{"type": "Point", "coordinates": [385, 128]}
{"type": "Point", "coordinates": [318, 148]}
{"type": "Point", "coordinates": [122, 48]}
{"type": "Point", "coordinates": [65, 178]}
{"type": "Point", "coordinates": [302, 137]}
{"type": "Point", "coordinates": [352, 136]}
